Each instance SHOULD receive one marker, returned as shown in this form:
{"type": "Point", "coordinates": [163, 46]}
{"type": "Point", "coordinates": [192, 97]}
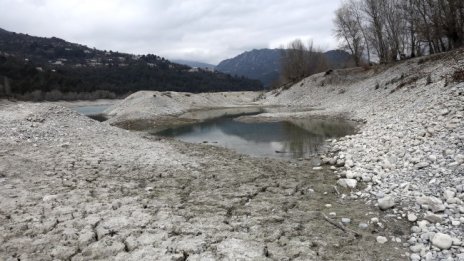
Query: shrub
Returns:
{"type": "Point", "coordinates": [458, 76]}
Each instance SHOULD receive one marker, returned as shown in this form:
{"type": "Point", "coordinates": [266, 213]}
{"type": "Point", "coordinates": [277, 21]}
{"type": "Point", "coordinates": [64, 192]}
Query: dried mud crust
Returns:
{"type": "Point", "coordinates": [75, 189]}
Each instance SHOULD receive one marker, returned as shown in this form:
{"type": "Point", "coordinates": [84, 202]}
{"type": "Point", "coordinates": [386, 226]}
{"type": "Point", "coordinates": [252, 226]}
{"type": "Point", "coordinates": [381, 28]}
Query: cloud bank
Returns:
{"type": "Point", "coordinates": [202, 30]}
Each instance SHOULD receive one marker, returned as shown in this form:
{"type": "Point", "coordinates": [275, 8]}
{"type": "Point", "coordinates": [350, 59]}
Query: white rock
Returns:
{"type": "Point", "coordinates": [422, 165]}
{"type": "Point", "coordinates": [363, 226]}
{"type": "Point", "coordinates": [434, 204]}
{"type": "Point", "coordinates": [433, 218]}
{"type": "Point", "coordinates": [412, 217]}
{"type": "Point", "coordinates": [347, 183]}
{"type": "Point", "coordinates": [457, 242]}
{"type": "Point", "coordinates": [423, 224]}
{"type": "Point", "coordinates": [346, 221]}
{"type": "Point", "coordinates": [416, 248]}
{"type": "Point", "coordinates": [386, 202]}
{"type": "Point", "coordinates": [382, 240]}
{"type": "Point", "coordinates": [415, 257]}
{"type": "Point", "coordinates": [349, 175]}
{"type": "Point", "coordinates": [449, 194]}
{"type": "Point", "coordinates": [442, 241]}
{"type": "Point", "coordinates": [349, 163]}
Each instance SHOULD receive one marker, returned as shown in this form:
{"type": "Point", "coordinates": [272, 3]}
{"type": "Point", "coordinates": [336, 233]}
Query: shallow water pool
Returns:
{"type": "Point", "coordinates": [93, 111]}
{"type": "Point", "coordinates": [300, 138]}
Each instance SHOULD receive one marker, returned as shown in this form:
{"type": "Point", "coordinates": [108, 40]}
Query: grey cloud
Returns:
{"type": "Point", "coordinates": [204, 30]}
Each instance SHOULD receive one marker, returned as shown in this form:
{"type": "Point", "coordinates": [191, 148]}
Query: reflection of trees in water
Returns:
{"type": "Point", "coordinates": [326, 128]}
{"type": "Point", "coordinates": [305, 137]}
{"type": "Point", "coordinates": [300, 142]}
{"type": "Point", "coordinates": [298, 137]}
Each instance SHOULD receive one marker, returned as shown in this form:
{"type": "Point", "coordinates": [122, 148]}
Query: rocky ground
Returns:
{"type": "Point", "coordinates": [410, 152]}
{"type": "Point", "coordinates": [72, 188]}
{"type": "Point", "coordinates": [75, 189]}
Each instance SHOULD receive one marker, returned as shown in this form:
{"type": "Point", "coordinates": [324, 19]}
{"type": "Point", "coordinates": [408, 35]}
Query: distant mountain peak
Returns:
{"type": "Point", "coordinates": [264, 64]}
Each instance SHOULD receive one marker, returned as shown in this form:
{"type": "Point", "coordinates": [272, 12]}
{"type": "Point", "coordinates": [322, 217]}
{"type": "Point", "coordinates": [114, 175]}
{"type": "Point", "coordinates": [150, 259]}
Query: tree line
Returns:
{"type": "Point", "coordinates": [386, 31]}
{"type": "Point", "coordinates": [26, 81]}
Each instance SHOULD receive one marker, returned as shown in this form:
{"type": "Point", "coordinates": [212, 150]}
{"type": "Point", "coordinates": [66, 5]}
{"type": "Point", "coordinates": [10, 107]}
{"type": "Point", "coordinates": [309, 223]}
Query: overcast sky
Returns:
{"type": "Point", "coordinates": [201, 30]}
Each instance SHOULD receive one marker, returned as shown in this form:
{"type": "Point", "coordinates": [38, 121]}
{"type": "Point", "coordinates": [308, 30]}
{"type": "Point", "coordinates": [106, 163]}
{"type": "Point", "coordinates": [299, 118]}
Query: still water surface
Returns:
{"type": "Point", "coordinates": [92, 109]}
{"type": "Point", "coordinates": [282, 139]}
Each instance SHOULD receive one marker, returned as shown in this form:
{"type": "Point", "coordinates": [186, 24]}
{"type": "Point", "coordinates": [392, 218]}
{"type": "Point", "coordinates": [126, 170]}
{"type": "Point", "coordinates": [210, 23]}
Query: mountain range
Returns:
{"type": "Point", "coordinates": [34, 67]}
{"type": "Point", "coordinates": [264, 64]}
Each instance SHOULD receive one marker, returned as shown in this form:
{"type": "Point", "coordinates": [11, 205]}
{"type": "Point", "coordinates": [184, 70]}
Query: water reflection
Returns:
{"type": "Point", "coordinates": [287, 139]}
{"type": "Point", "coordinates": [91, 109]}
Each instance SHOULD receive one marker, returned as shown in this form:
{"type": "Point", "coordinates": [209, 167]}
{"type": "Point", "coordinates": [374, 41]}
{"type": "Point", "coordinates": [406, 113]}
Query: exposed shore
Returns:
{"type": "Point", "coordinates": [72, 188]}
{"type": "Point", "coordinates": [75, 189]}
{"type": "Point", "coordinates": [410, 152]}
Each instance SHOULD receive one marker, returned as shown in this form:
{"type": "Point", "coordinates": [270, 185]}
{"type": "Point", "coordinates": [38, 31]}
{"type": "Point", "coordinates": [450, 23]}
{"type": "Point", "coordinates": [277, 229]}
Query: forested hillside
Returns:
{"type": "Point", "coordinates": [50, 68]}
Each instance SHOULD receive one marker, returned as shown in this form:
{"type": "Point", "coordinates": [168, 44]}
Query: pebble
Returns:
{"type": "Point", "coordinates": [386, 202]}
{"type": "Point", "coordinates": [347, 183]}
{"type": "Point", "coordinates": [363, 226]}
{"type": "Point", "coordinates": [416, 229]}
{"type": "Point", "coordinates": [433, 218]}
{"type": "Point", "coordinates": [349, 163]}
{"type": "Point", "coordinates": [346, 221]}
{"type": "Point", "coordinates": [412, 217]}
{"type": "Point", "coordinates": [381, 240]}
{"type": "Point", "coordinates": [449, 194]}
{"type": "Point", "coordinates": [442, 241]}
{"type": "Point", "coordinates": [433, 203]}
{"type": "Point", "coordinates": [415, 257]}
{"type": "Point", "coordinates": [416, 248]}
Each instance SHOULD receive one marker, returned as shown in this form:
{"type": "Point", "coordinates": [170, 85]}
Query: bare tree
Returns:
{"type": "Point", "coordinates": [299, 61]}
{"type": "Point", "coordinates": [356, 10]}
{"type": "Point", "coordinates": [348, 29]}
{"type": "Point", "coordinates": [396, 29]}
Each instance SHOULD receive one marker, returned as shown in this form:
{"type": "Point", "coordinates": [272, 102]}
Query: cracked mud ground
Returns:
{"type": "Point", "coordinates": [75, 189]}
